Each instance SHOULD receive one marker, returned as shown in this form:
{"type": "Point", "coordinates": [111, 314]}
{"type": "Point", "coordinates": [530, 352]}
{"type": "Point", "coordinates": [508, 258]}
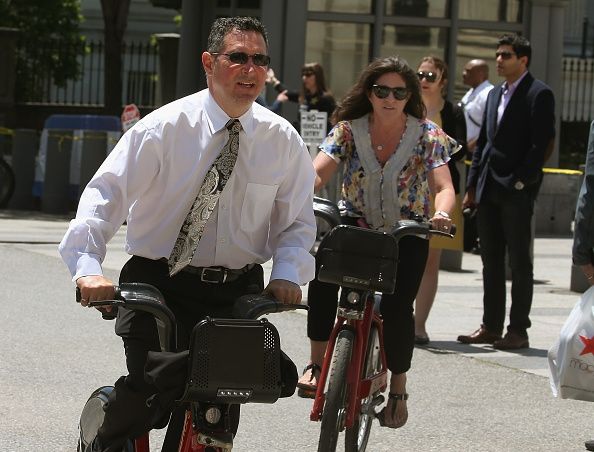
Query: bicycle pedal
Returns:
{"type": "Point", "coordinates": [225, 441]}
{"type": "Point", "coordinates": [369, 408]}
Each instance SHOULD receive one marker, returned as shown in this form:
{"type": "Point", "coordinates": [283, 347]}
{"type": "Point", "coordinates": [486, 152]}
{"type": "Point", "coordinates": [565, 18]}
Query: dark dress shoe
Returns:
{"type": "Point", "coordinates": [590, 444]}
{"type": "Point", "coordinates": [512, 341]}
{"type": "Point", "coordinates": [480, 336]}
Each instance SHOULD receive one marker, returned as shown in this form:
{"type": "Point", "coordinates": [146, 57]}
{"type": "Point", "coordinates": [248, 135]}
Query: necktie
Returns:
{"type": "Point", "coordinates": [205, 202]}
{"type": "Point", "coordinates": [505, 95]}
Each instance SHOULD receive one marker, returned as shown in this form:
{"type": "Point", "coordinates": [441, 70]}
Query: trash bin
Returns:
{"type": "Point", "coordinates": [25, 143]}
{"type": "Point", "coordinates": [60, 161]}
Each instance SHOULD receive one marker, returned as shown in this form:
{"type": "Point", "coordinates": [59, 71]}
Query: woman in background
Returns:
{"type": "Point", "coordinates": [314, 94]}
{"type": "Point", "coordinates": [433, 76]}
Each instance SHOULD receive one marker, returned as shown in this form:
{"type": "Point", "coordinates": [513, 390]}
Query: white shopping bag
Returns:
{"type": "Point", "coordinates": [571, 358]}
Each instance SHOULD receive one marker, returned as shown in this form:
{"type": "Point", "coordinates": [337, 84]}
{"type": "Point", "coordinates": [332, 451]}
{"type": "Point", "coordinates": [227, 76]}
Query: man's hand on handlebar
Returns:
{"type": "Point", "coordinates": [284, 291]}
{"type": "Point", "coordinates": [95, 288]}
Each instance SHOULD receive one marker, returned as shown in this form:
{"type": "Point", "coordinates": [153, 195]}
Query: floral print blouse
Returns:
{"type": "Point", "coordinates": [431, 148]}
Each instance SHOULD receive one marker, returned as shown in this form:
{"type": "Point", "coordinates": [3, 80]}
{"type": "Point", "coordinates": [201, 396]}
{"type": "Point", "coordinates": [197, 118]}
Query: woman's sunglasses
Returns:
{"type": "Point", "coordinates": [382, 91]}
{"type": "Point", "coordinates": [307, 73]}
{"type": "Point", "coordinates": [258, 59]}
{"type": "Point", "coordinates": [429, 76]}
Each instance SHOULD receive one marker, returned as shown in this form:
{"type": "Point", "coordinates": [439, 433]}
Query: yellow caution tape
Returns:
{"type": "Point", "coordinates": [549, 170]}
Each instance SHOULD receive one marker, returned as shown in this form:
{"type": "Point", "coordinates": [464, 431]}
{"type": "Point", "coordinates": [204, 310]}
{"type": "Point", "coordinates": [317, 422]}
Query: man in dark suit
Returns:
{"type": "Point", "coordinates": [503, 182]}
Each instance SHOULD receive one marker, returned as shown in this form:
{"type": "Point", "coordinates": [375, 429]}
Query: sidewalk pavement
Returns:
{"type": "Point", "coordinates": [457, 308]}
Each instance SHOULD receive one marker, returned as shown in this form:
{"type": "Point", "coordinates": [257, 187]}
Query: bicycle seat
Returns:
{"type": "Point", "coordinates": [358, 258]}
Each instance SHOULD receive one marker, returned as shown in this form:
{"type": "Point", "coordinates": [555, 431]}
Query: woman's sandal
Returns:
{"type": "Point", "coordinates": [395, 398]}
{"type": "Point", "coordinates": [308, 390]}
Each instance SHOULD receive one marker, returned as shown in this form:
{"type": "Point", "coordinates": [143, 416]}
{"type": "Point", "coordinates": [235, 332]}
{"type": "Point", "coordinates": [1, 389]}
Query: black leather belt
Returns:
{"type": "Point", "coordinates": [216, 275]}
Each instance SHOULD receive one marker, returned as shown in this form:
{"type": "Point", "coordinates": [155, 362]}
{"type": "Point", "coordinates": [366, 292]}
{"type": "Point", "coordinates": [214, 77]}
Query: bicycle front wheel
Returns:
{"type": "Point", "coordinates": [357, 436]}
{"type": "Point", "coordinates": [334, 412]}
{"type": "Point", "coordinates": [6, 182]}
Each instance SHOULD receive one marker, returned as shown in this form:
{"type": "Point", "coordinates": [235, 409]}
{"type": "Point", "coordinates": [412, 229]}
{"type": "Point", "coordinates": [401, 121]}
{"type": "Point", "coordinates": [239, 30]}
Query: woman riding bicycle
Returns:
{"type": "Point", "coordinates": [394, 160]}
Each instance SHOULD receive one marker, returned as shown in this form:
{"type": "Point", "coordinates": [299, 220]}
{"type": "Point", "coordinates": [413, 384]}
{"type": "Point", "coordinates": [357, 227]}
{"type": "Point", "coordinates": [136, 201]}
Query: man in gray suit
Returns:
{"type": "Point", "coordinates": [503, 182]}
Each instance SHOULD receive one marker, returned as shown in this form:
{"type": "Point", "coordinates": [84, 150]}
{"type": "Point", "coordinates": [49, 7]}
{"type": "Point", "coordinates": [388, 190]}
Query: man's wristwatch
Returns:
{"type": "Point", "coordinates": [442, 213]}
{"type": "Point", "coordinates": [519, 185]}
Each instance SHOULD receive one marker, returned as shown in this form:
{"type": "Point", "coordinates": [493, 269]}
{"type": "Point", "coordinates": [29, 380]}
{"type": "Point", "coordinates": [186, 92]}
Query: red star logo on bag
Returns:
{"type": "Point", "coordinates": [588, 345]}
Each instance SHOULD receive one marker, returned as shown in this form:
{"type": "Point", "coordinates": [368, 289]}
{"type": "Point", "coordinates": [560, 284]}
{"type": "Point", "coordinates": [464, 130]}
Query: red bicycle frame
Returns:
{"type": "Point", "coordinates": [358, 387]}
{"type": "Point", "coordinates": [188, 441]}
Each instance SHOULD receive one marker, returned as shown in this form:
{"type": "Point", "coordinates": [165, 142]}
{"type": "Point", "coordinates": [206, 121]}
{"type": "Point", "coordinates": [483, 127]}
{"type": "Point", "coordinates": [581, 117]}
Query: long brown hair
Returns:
{"type": "Point", "coordinates": [318, 72]}
{"type": "Point", "coordinates": [356, 104]}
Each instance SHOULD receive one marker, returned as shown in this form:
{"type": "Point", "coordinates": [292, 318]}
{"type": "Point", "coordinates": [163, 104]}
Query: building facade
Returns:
{"type": "Point", "coordinates": [344, 35]}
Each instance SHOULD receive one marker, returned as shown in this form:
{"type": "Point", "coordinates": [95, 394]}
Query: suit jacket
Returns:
{"type": "Point", "coordinates": [515, 150]}
{"type": "Point", "coordinates": [453, 123]}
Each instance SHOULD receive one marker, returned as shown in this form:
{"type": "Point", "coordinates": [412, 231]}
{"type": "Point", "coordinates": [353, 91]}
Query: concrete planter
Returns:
{"type": "Point", "coordinates": [555, 206]}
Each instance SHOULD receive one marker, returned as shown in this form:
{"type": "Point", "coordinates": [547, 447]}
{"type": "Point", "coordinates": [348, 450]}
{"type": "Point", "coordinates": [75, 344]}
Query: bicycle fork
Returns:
{"type": "Point", "coordinates": [358, 388]}
{"type": "Point", "coordinates": [193, 440]}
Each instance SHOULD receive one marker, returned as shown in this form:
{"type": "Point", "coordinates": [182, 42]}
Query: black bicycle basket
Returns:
{"type": "Point", "coordinates": [358, 258]}
{"type": "Point", "coordinates": [234, 361]}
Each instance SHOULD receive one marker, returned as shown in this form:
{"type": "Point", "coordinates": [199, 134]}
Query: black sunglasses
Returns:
{"type": "Point", "coordinates": [259, 59]}
{"type": "Point", "coordinates": [307, 73]}
{"type": "Point", "coordinates": [382, 91]}
{"type": "Point", "coordinates": [429, 76]}
{"type": "Point", "coordinates": [505, 55]}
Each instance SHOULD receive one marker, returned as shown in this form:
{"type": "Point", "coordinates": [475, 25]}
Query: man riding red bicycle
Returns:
{"type": "Point", "coordinates": [211, 186]}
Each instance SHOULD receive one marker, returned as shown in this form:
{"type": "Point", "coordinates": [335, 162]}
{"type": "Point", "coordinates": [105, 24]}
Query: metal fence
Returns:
{"type": "Point", "coordinates": [140, 69]}
{"type": "Point", "coordinates": [140, 72]}
{"type": "Point", "coordinates": [578, 89]}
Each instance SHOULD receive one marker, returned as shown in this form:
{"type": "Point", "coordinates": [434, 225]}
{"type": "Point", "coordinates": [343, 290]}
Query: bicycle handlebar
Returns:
{"type": "Point", "coordinates": [254, 306]}
{"type": "Point", "coordinates": [328, 211]}
{"type": "Point", "coordinates": [423, 228]}
{"type": "Point", "coordinates": [147, 298]}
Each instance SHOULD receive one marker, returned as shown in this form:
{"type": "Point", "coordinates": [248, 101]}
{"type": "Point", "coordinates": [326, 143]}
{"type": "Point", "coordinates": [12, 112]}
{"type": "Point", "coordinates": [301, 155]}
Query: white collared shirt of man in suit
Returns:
{"type": "Point", "coordinates": [473, 103]}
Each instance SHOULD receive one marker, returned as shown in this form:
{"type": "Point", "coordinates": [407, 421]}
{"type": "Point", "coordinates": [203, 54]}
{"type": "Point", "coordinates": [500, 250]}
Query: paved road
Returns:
{"type": "Point", "coordinates": [463, 398]}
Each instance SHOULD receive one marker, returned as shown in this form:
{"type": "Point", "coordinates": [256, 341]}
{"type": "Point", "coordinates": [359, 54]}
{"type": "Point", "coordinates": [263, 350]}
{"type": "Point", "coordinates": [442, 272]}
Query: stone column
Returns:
{"type": "Point", "coordinates": [168, 45]}
{"type": "Point", "coordinates": [198, 17]}
{"type": "Point", "coordinates": [546, 37]}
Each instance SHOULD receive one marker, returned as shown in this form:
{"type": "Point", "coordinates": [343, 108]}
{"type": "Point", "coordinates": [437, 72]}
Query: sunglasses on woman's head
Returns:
{"type": "Point", "coordinates": [429, 76]}
{"type": "Point", "coordinates": [307, 73]}
{"type": "Point", "coordinates": [258, 59]}
{"type": "Point", "coordinates": [382, 91]}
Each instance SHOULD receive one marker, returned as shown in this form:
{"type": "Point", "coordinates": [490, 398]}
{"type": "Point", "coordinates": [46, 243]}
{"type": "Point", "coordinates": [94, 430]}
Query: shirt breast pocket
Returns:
{"type": "Point", "coordinates": [257, 206]}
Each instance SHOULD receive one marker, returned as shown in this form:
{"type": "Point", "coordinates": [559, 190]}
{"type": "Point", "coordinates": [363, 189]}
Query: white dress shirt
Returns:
{"type": "Point", "coordinates": [473, 103]}
{"type": "Point", "coordinates": [153, 175]}
{"type": "Point", "coordinates": [506, 93]}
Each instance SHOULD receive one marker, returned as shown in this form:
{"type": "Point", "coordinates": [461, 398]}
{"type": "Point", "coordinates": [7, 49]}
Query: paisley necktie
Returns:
{"type": "Point", "coordinates": [215, 180]}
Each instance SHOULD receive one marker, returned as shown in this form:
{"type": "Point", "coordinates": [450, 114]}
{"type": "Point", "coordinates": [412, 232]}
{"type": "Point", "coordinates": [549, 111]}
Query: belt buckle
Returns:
{"type": "Point", "coordinates": [217, 271]}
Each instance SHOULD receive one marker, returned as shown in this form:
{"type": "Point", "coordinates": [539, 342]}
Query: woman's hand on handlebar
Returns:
{"type": "Point", "coordinates": [440, 222]}
{"type": "Point", "coordinates": [284, 291]}
{"type": "Point", "coordinates": [95, 288]}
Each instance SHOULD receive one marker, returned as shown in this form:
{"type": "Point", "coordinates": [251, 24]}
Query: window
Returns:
{"type": "Point", "coordinates": [413, 43]}
{"type": "Point", "coordinates": [340, 6]}
{"type": "Point", "coordinates": [497, 11]}
{"type": "Point", "coordinates": [417, 8]}
{"type": "Point", "coordinates": [341, 48]}
{"type": "Point", "coordinates": [473, 44]}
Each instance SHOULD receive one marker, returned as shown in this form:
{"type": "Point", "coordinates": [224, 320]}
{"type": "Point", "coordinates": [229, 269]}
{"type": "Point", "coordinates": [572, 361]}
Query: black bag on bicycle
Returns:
{"type": "Point", "coordinates": [237, 361]}
{"type": "Point", "coordinates": [358, 258]}
{"type": "Point", "coordinates": [225, 355]}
